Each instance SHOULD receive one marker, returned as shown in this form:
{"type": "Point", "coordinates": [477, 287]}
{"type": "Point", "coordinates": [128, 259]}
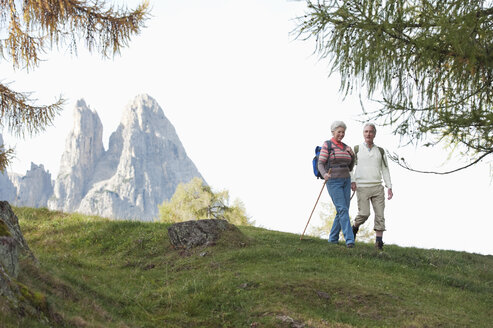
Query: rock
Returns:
{"type": "Point", "coordinates": [142, 167]}
{"type": "Point", "coordinates": [8, 191]}
{"type": "Point", "coordinates": [34, 189]}
{"type": "Point", "coordinates": [9, 220]}
{"type": "Point", "coordinates": [31, 190]}
{"type": "Point", "coordinates": [191, 234]}
{"type": "Point", "coordinates": [292, 323]}
{"type": "Point", "coordinates": [7, 289]}
{"type": "Point", "coordinates": [83, 149]}
{"type": "Point", "coordinates": [248, 285]}
{"type": "Point", "coordinates": [12, 243]}
{"type": "Point", "coordinates": [323, 295]}
{"type": "Point", "coordinates": [19, 297]}
{"type": "Point", "coordinates": [150, 163]}
{"type": "Point", "coordinates": [9, 258]}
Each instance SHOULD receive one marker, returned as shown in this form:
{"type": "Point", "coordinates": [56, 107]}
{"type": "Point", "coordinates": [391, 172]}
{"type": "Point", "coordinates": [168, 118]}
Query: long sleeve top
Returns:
{"type": "Point", "coordinates": [370, 168]}
{"type": "Point", "coordinates": [339, 160]}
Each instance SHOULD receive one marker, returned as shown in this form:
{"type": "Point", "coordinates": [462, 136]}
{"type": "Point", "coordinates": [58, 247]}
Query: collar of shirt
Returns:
{"type": "Point", "coordinates": [368, 146]}
{"type": "Point", "coordinates": [337, 143]}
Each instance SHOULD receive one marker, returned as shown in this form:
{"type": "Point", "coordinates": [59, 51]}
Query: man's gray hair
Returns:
{"type": "Point", "coordinates": [337, 124]}
{"type": "Point", "coordinates": [372, 125]}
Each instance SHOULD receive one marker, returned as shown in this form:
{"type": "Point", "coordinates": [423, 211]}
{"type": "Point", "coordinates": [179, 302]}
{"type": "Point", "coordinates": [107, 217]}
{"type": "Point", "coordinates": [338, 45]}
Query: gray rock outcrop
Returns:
{"type": "Point", "coordinates": [12, 241]}
{"type": "Point", "coordinates": [195, 233]}
{"type": "Point", "coordinates": [142, 167]}
{"type": "Point", "coordinates": [34, 189]}
{"type": "Point", "coordinates": [18, 297]}
{"type": "Point", "coordinates": [83, 149]}
{"type": "Point", "coordinates": [8, 191]}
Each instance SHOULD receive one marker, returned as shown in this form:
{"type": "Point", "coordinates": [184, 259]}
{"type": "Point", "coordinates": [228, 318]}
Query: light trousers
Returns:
{"type": "Point", "coordinates": [375, 196]}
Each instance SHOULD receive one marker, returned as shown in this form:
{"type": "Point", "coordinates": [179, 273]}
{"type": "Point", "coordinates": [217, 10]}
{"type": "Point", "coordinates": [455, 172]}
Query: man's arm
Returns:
{"type": "Point", "coordinates": [386, 176]}
{"type": "Point", "coordinates": [385, 172]}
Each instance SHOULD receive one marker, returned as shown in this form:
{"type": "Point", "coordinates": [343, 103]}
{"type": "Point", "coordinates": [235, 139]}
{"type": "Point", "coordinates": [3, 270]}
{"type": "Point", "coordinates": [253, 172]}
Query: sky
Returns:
{"type": "Point", "coordinates": [249, 103]}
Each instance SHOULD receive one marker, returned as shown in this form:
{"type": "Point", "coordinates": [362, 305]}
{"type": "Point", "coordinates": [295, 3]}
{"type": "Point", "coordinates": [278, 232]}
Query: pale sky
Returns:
{"type": "Point", "coordinates": [250, 103]}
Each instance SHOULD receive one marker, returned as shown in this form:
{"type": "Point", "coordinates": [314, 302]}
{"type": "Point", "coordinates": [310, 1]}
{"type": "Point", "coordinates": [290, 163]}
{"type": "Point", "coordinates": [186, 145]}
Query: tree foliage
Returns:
{"type": "Point", "coordinates": [429, 61]}
{"type": "Point", "coordinates": [196, 201]}
{"type": "Point", "coordinates": [30, 28]}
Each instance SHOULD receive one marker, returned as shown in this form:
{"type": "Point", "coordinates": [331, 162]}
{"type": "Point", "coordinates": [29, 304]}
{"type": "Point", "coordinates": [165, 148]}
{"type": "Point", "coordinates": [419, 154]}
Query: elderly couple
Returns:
{"type": "Point", "coordinates": [360, 170]}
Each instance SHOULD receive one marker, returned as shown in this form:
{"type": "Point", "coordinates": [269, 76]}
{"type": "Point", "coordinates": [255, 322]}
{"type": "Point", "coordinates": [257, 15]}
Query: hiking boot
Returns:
{"type": "Point", "coordinates": [355, 231]}
{"type": "Point", "coordinates": [379, 245]}
{"type": "Point", "coordinates": [350, 246]}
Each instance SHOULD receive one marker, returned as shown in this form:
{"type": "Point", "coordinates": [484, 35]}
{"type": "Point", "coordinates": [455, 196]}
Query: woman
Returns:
{"type": "Point", "coordinates": [335, 162]}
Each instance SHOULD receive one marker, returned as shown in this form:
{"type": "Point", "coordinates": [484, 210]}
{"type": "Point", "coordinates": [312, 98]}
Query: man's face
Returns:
{"type": "Point", "coordinates": [369, 134]}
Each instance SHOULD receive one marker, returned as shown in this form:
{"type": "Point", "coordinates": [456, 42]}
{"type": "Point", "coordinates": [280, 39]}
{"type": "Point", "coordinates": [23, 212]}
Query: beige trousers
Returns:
{"type": "Point", "coordinates": [375, 195]}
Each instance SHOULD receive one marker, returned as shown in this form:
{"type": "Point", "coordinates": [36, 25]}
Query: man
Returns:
{"type": "Point", "coordinates": [366, 178]}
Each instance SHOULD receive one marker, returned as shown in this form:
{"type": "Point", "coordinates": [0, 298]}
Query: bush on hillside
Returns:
{"type": "Point", "coordinates": [196, 201]}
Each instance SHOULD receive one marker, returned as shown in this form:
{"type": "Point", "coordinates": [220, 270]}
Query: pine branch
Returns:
{"type": "Point", "coordinates": [21, 117]}
{"type": "Point", "coordinates": [66, 21]}
{"type": "Point", "coordinates": [402, 163]}
{"type": "Point", "coordinates": [5, 157]}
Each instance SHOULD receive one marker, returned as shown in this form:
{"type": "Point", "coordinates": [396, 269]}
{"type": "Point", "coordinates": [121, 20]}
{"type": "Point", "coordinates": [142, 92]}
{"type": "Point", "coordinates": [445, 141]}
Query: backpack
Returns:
{"type": "Point", "coordinates": [382, 152]}
{"type": "Point", "coordinates": [315, 160]}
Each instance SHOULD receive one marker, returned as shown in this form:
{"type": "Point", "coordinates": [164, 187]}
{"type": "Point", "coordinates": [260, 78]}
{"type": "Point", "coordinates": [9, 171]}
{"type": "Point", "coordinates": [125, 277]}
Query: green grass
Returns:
{"type": "Point", "coordinates": [100, 273]}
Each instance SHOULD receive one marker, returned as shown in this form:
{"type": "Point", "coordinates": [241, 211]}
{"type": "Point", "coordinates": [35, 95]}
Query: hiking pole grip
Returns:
{"type": "Point", "coordinates": [323, 185]}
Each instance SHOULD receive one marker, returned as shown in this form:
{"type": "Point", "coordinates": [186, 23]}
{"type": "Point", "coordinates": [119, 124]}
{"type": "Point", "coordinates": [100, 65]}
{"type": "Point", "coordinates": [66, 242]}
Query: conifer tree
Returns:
{"type": "Point", "coordinates": [29, 28]}
{"type": "Point", "coordinates": [429, 63]}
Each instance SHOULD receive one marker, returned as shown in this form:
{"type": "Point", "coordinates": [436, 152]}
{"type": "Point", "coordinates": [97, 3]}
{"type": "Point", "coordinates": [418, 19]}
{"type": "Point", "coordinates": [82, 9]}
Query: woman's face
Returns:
{"type": "Point", "coordinates": [339, 133]}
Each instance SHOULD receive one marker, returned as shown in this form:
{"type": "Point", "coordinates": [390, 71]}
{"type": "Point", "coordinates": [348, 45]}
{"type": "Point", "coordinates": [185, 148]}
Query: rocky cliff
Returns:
{"type": "Point", "coordinates": [33, 189]}
{"type": "Point", "coordinates": [83, 149]}
{"type": "Point", "coordinates": [8, 191]}
{"type": "Point", "coordinates": [142, 167]}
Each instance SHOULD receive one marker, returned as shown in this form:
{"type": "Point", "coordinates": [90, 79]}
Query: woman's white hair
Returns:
{"type": "Point", "coordinates": [337, 124]}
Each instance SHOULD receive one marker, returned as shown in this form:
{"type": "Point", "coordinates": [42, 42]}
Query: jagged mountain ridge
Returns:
{"type": "Point", "coordinates": [8, 191]}
{"type": "Point", "coordinates": [144, 163]}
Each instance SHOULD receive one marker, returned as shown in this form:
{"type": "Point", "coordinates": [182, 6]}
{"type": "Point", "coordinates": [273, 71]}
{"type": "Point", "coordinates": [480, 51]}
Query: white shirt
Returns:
{"type": "Point", "coordinates": [370, 168]}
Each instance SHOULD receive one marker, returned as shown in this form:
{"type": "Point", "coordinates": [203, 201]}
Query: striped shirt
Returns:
{"type": "Point", "coordinates": [339, 160]}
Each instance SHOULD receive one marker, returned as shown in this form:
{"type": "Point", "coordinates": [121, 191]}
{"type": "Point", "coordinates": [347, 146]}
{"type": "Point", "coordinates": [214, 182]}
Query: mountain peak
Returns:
{"type": "Point", "coordinates": [81, 103]}
{"type": "Point", "coordinates": [142, 167]}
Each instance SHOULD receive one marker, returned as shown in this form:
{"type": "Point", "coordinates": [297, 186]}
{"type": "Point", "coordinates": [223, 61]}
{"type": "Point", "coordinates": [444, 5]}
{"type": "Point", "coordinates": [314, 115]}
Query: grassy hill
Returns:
{"type": "Point", "coordinates": [95, 272]}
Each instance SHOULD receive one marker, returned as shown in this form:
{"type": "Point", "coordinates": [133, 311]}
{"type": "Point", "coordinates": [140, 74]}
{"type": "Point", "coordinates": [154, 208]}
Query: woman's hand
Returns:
{"type": "Point", "coordinates": [327, 176]}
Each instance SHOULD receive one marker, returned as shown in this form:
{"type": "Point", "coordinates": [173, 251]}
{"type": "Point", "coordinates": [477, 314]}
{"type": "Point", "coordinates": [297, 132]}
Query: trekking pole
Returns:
{"type": "Point", "coordinates": [301, 237]}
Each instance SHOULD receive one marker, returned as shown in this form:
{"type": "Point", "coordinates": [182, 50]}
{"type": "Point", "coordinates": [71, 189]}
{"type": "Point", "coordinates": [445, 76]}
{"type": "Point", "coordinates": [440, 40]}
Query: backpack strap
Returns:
{"type": "Point", "coordinates": [356, 149]}
{"type": "Point", "coordinates": [329, 146]}
{"type": "Point", "coordinates": [382, 152]}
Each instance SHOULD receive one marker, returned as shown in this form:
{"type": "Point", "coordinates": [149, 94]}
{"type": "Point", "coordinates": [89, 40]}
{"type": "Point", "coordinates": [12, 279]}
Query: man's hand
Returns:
{"type": "Point", "coordinates": [390, 193]}
{"type": "Point", "coordinates": [353, 186]}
